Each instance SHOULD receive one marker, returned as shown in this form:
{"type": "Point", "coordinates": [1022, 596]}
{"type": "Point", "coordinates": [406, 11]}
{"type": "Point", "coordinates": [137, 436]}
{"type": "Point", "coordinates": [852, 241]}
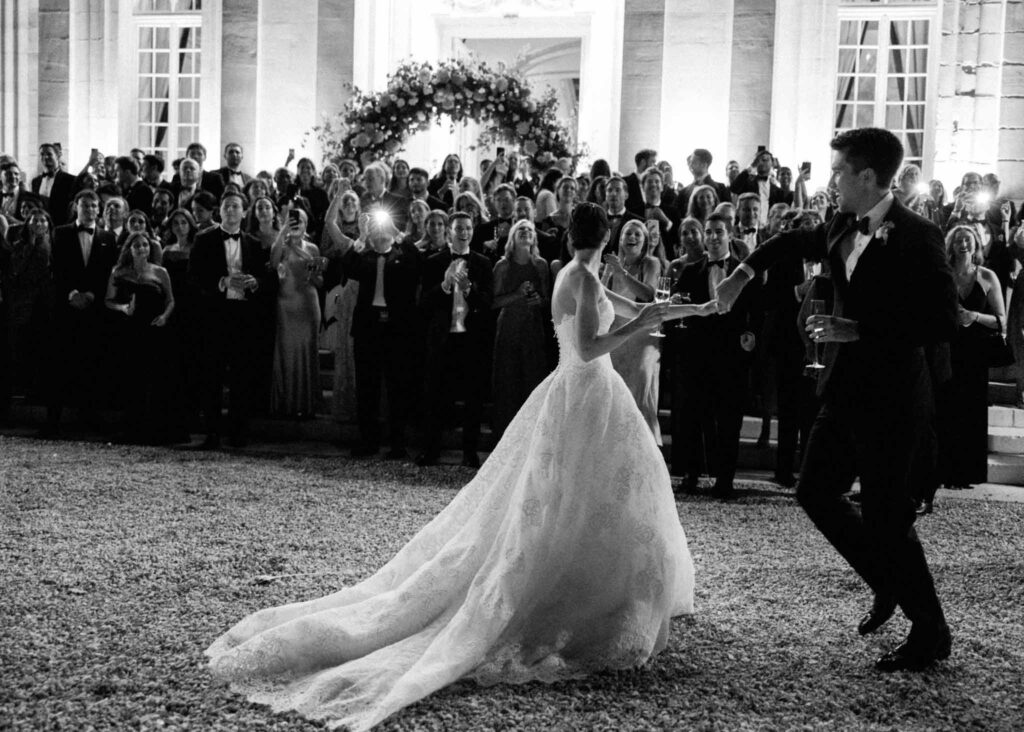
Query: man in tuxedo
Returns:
{"type": "Point", "coordinates": [230, 274]}
{"type": "Point", "coordinates": [418, 181]}
{"type": "Point", "coordinates": [135, 190]}
{"type": "Point", "coordinates": [615, 199]}
{"type": "Point", "coordinates": [456, 300]}
{"type": "Point", "coordinates": [757, 179]}
{"type": "Point", "coordinates": [894, 297]}
{"type": "Point", "coordinates": [208, 179]}
{"type": "Point", "coordinates": [55, 186]}
{"type": "Point", "coordinates": [385, 324]}
{"type": "Point", "coordinates": [232, 170]}
{"type": "Point", "coordinates": [490, 237]}
{"type": "Point", "coordinates": [699, 162]}
{"type": "Point", "coordinates": [748, 221]}
{"type": "Point", "coordinates": [82, 257]}
{"type": "Point", "coordinates": [712, 366]}
{"type": "Point", "coordinates": [11, 190]}
{"type": "Point", "coordinates": [186, 184]}
{"type": "Point", "coordinates": [643, 160]}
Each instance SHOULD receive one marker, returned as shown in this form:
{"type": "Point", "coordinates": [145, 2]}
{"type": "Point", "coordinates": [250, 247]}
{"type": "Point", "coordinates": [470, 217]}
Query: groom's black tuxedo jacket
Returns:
{"type": "Point", "coordinates": [71, 272]}
{"type": "Point", "coordinates": [901, 294]}
{"type": "Point", "coordinates": [208, 263]}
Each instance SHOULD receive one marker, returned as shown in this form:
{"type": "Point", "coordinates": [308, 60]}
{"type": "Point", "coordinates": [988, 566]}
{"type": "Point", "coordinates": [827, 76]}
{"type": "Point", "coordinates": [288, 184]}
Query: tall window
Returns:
{"type": "Point", "coordinates": [882, 78]}
{"type": "Point", "coordinates": [169, 64]}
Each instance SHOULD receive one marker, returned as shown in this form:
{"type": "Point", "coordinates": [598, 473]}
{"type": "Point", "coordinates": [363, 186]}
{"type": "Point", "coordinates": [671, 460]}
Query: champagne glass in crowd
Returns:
{"type": "Point", "coordinates": [817, 308]}
{"type": "Point", "coordinates": [681, 298]}
{"type": "Point", "coordinates": [662, 293]}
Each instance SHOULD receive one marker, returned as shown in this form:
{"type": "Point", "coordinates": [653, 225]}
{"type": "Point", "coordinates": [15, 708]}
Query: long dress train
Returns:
{"type": "Point", "coordinates": [563, 556]}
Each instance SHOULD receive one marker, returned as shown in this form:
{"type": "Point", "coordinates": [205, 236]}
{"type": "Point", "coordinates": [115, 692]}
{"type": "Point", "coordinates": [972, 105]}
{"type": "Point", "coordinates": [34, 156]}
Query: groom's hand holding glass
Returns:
{"type": "Point", "coordinates": [830, 329]}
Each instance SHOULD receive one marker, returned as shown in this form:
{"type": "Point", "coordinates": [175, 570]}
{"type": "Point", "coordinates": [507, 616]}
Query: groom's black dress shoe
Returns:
{"type": "Point", "coordinates": [918, 651]}
{"type": "Point", "coordinates": [879, 614]}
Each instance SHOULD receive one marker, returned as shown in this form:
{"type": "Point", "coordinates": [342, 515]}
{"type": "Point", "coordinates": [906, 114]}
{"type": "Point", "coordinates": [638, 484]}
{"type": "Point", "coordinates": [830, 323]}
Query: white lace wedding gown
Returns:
{"type": "Point", "coordinates": [563, 556]}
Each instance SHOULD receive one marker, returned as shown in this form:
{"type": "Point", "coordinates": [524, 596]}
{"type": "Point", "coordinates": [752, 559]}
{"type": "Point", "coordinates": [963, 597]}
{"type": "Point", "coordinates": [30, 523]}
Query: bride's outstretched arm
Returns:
{"type": "Point", "coordinates": [589, 344]}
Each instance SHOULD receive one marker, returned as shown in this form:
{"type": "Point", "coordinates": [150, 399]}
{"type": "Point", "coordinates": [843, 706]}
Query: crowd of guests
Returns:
{"type": "Point", "coordinates": [157, 289]}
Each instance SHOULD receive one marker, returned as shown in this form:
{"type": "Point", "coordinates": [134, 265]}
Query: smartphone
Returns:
{"type": "Point", "coordinates": [294, 217]}
{"type": "Point", "coordinates": [806, 165]}
{"type": "Point", "coordinates": [761, 148]}
{"type": "Point", "coordinates": [500, 152]}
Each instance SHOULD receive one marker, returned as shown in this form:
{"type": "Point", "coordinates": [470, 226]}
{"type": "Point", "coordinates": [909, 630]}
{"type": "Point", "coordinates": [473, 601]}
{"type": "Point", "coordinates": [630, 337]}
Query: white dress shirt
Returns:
{"type": "Point", "coordinates": [233, 259]}
{"type": "Point", "coordinates": [46, 184]}
{"type": "Point", "coordinates": [861, 241]}
{"type": "Point", "coordinates": [764, 189]}
{"type": "Point", "coordinates": [378, 289]}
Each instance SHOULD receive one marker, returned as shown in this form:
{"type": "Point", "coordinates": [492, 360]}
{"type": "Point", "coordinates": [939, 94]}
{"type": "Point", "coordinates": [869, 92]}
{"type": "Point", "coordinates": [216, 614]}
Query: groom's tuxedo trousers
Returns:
{"type": "Point", "coordinates": [877, 398]}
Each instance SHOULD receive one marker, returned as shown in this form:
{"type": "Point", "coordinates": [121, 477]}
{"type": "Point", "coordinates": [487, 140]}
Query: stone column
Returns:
{"type": "Point", "coordinates": [336, 30]}
{"type": "Point", "coordinates": [286, 73]}
{"type": "Point", "coordinates": [695, 93]}
{"type": "Point", "coordinates": [1010, 155]}
{"type": "Point", "coordinates": [643, 44]}
{"type": "Point", "coordinates": [752, 73]}
{"type": "Point", "coordinates": [803, 86]}
{"type": "Point", "coordinates": [19, 67]}
{"type": "Point", "coordinates": [93, 99]}
{"type": "Point", "coordinates": [54, 84]}
{"type": "Point", "coordinates": [239, 55]}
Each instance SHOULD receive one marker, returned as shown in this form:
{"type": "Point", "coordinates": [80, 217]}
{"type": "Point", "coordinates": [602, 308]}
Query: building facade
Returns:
{"type": "Point", "coordinates": [727, 75]}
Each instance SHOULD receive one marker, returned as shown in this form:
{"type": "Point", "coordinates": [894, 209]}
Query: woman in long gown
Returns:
{"type": "Point", "coordinates": [633, 273]}
{"type": "Point", "coordinates": [141, 292]}
{"type": "Point", "coordinates": [963, 400]}
{"type": "Point", "coordinates": [341, 224]}
{"type": "Point", "coordinates": [563, 556]}
{"type": "Point", "coordinates": [295, 389]}
{"type": "Point", "coordinates": [522, 291]}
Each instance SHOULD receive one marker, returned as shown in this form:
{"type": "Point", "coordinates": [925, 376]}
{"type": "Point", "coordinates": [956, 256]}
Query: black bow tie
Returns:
{"type": "Point", "coordinates": [864, 225]}
{"type": "Point", "coordinates": [382, 255]}
{"type": "Point", "coordinates": [461, 256]}
{"type": "Point", "coordinates": [51, 174]}
{"type": "Point", "coordinates": [87, 229]}
{"type": "Point", "coordinates": [719, 263]}
{"type": "Point", "coordinates": [750, 230]}
{"type": "Point", "coordinates": [225, 235]}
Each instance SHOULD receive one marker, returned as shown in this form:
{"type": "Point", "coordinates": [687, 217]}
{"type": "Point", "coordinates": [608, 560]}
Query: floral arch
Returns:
{"type": "Point", "coordinates": [420, 94]}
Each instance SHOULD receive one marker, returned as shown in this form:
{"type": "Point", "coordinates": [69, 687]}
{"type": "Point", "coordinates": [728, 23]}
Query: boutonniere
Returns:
{"type": "Point", "coordinates": [882, 232]}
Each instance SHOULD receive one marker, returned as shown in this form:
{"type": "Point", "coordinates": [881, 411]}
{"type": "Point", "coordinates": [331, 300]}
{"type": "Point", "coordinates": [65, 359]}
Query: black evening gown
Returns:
{"type": "Point", "coordinates": [186, 334]}
{"type": "Point", "coordinates": [152, 375]}
{"type": "Point", "coordinates": [963, 402]}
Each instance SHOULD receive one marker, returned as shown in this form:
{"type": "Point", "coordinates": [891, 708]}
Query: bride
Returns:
{"type": "Point", "coordinates": [563, 556]}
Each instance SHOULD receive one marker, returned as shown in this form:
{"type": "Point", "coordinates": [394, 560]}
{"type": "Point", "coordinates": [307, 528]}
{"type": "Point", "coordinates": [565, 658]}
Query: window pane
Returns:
{"type": "Point", "coordinates": [898, 32]}
{"type": "Point", "coordinates": [185, 113]}
{"type": "Point", "coordinates": [145, 37]}
{"type": "Point", "coordinates": [185, 63]}
{"type": "Point", "coordinates": [916, 60]}
{"type": "Point", "coordinates": [915, 117]}
{"type": "Point", "coordinates": [163, 38]}
{"type": "Point", "coordinates": [145, 87]}
{"type": "Point", "coordinates": [918, 31]}
{"type": "Point", "coordinates": [845, 88]}
{"type": "Point", "coordinates": [844, 115]}
{"type": "Point", "coordinates": [894, 116]}
{"type": "Point", "coordinates": [916, 87]}
{"type": "Point", "coordinates": [849, 34]}
{"type": "Point", "coordinates": [898, 61]}
{"type": "Point", "coordinates": [847, 59]}
{"type": "Point", "coordinates": [866, 88]}
{"type": "Point", "coordinates": [867, 62]}
{"type": "Point", "coordinates": [896, 88]}
{"type": "Point", "coordinates": [145, 63]}
{"type": "Point", "coordinates": [865, 115]}
{"type": "Point", "coordinates": [161, 62]}
{"type": "Point", "coordinates": [915, 144]}
{"type": "Point", "coordinates": [869, 33]}
{"type": "Point", "coordinates": [145, 112]}
{"type": "Point", "coordinates": [185, 88]}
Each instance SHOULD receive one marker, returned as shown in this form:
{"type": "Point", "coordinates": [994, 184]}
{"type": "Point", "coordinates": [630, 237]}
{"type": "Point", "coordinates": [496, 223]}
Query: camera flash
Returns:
{"type": "Point", "coordinates": [923, 188]}
{"type": "Point", "coordinates": [984, 198]}
{"type": "Point", "coordinates": [381, 217]}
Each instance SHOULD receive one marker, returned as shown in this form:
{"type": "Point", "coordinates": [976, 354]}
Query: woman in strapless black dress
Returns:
{"type": "Point", "coordinates": [141, 293]}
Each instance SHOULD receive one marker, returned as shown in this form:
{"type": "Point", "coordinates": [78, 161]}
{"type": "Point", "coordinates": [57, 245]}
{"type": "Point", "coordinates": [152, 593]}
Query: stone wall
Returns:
{"type": "Point", "coordinates": [53, 70]}
{"type": "Point", "coordinates": [643, 43]}
{"type": "Point", "coordinates": [750, 91]}
{"type": "Point", "coordinates": [240, 47]}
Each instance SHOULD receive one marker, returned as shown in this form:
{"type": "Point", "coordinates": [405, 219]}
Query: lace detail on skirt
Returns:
{"type": "Point", "coordinates": [564, 555]}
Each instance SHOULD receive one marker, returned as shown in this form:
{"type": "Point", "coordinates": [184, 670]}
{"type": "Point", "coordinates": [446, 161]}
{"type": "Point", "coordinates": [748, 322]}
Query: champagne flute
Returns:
{"type": "Point", "coordinates": [684, 298]}
{"type": "Point", "coordinates": [662, 293]}
{"type": "Point", "coordinates": [817, 308]}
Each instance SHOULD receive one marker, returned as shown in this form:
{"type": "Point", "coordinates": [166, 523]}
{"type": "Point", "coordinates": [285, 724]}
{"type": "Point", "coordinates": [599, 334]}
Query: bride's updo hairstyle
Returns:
{"type": "Point", "coordinates": [588, 226]}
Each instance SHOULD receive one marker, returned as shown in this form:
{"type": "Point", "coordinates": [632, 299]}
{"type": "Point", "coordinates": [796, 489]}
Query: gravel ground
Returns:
{"type": "Point", "coordinates": [122, 564]}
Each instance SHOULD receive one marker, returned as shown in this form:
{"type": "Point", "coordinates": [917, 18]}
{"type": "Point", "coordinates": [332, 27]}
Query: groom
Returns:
{"type": "Point", "coordinates": [894, 295]}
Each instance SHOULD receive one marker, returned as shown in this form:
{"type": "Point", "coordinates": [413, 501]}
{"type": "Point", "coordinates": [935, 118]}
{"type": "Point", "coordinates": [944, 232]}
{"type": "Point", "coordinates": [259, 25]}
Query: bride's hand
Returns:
{"type": "Point", "coordinates": [652, 315]}
{"type": "Point", "coordinates": [708, 308]}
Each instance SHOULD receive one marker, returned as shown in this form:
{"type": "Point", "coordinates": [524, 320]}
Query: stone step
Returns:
{"type": "Point", "coordinates": [1006, 469]}
{"type": "Point", "coordinates": [1006, 440]}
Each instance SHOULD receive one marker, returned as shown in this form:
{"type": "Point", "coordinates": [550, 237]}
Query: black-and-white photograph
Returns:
{"type": "Point", "coordinates": [511, 365]}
